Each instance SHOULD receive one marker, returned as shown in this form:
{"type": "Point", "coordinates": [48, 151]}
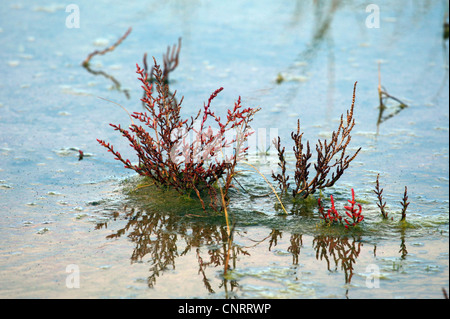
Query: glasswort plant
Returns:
{"type": "Point", "coordinates": [184, 154]}
{"type": "Point", "coordinates": [331, 158]}
{"type": "Point", "coordinates": [332, 216]}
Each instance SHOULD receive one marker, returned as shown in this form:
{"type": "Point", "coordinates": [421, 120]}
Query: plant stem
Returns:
{"type": "Point", "coordinates": [269, 185]}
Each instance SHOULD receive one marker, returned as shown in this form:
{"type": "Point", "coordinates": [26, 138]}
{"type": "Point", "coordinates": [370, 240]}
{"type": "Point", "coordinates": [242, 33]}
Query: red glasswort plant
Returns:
{"type": "Point", "coordinates": [184, 154]}
{"type": "Point", "coordinates": [332, 216]}
{"type": "Point", "coordinates": [353, 213]}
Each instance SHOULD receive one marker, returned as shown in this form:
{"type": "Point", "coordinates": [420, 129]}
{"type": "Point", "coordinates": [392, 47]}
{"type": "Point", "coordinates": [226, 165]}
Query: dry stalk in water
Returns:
{"type": "Point", "coordinates": [444, 292]}
{"type": "Point", "coordinates": [404, 203]}
{"type": "Point", "coordinates": [380, 203]}
{"type": "Point", "coordinates": [383, 96]}
{"type": "Point", "coordinates": [379, 191]}
{"type": "Point", "coordinates": [85, 64]}
{"type": "Point", "coordinates": [111, 48]}
{"type": "Point", "coordinates": [170, 61]}
{"type": "Point", "coordinates": [270, 185]}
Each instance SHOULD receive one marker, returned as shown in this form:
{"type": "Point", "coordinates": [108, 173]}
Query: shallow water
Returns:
{"type": "Point", "coordinates": [59, 211]}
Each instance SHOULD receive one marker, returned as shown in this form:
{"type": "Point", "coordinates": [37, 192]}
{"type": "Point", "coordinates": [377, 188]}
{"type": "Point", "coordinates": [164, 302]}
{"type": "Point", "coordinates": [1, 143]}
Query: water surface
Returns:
{"type": "Point", "coordinates": [292, 59]}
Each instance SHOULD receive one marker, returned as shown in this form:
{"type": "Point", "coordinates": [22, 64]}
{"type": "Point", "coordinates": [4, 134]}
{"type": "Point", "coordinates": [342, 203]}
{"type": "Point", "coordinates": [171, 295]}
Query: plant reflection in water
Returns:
{"type": "Point", "coordinates": [161, 238]}
{"type": "Point", "coordinates": [343, 251]}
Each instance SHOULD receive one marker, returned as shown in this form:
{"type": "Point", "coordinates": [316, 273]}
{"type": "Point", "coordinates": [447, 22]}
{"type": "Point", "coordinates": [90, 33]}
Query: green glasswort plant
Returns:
{"type": "Point", "coordinates": [185, 154]}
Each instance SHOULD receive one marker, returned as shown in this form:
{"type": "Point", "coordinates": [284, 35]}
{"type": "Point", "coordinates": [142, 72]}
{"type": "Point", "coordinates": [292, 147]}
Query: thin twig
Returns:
{"type": "Point", "coordinates": [117, 84]}
{"type": "Point", "coordinates": [224, 204]}
{"type": "Point", "coordinates": [281, 203]}
{"type": "Point", "coordinates": [384, 95]}
{"type": "Point", "coordinates": [118, 105]}
{"type": "Point", "coordinates": [111, 48]}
